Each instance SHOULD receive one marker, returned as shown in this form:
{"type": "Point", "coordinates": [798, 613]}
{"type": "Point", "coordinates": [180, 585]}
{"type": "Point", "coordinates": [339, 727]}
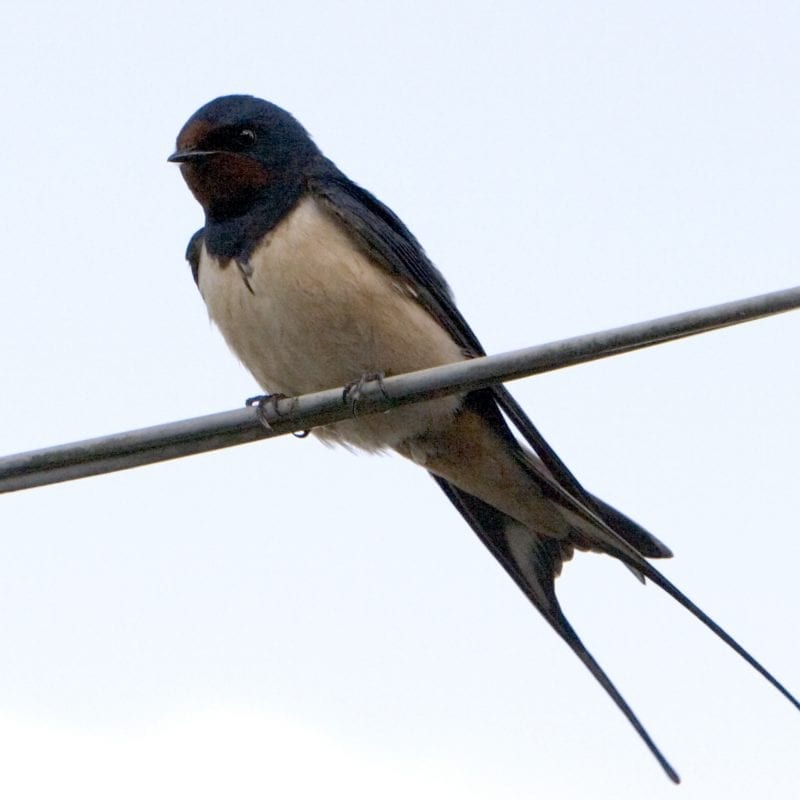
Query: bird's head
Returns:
{"type": "Point", "coordinates": [235, 147]}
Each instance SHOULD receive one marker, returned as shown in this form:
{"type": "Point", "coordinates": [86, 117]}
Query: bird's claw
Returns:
{"type": "Point", "coordinates": [354, 390]}
{"type": "Point", "coordinates": [262, 402]}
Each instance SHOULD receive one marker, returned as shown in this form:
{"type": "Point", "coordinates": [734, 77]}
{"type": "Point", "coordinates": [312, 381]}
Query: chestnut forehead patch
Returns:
{"type": "Point", "coordinates": [193, 134]}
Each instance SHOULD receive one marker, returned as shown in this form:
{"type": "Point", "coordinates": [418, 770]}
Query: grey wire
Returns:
{"type": "Point", "coordinates": [228, 428]}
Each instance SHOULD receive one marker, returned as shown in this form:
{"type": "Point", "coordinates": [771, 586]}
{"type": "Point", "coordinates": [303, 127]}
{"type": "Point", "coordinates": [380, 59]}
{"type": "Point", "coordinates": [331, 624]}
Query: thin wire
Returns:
{"type": "Point", "coordinates": [289, 415]}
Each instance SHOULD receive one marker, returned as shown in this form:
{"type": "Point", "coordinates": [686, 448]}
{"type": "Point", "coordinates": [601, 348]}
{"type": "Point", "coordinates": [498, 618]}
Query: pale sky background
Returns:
{"type": "Point", "coordinates": [283, 620]}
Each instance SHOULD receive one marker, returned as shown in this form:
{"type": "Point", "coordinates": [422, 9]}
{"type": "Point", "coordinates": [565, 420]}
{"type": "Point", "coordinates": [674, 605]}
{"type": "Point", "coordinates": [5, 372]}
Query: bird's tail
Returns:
{"type": "Point", "coordinates": [534, 561]}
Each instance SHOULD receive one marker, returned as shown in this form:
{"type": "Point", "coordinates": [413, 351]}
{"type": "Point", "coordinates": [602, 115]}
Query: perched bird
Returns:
{"type": "Point", "coordinates": [314, 284]}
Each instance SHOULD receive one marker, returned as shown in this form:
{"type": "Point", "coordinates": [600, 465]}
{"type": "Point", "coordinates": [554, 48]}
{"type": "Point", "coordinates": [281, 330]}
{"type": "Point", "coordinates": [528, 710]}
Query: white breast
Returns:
{"type": "Point", "coordinates": [321, 315]}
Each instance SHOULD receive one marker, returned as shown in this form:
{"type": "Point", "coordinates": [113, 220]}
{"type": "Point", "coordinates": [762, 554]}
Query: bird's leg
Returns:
{"type": "Point", "coordinates": [262, 402]}
{"type": "Point", "coordinates": [354, 390]}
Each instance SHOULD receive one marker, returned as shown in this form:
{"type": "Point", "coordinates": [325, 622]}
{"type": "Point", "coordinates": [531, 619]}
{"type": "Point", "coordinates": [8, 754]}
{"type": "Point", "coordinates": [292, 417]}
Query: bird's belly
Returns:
{"type": "Point", "coordinates": [319, 314]}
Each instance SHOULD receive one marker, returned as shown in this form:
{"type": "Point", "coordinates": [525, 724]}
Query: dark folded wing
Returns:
{"type": "Point", "coordinates": [381, 233]}
{"type": "Point", "coordinates": [193, 253]}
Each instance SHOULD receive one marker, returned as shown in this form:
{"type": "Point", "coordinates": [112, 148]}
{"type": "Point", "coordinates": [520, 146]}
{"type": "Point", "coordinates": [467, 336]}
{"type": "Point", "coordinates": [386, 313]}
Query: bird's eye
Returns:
{"type": "Point", "coordinates": [245, 137]}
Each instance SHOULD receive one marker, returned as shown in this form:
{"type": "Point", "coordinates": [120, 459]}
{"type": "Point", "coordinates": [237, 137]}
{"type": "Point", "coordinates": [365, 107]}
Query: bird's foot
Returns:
{"type": "Point", "coordinates": [264, 402]}
{"type": "Point", "coordinates": [354, 391]}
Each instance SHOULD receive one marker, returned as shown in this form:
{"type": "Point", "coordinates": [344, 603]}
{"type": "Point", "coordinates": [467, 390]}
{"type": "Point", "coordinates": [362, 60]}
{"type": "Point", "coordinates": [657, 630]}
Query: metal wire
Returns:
{"type": "Point", "coordinates": [201, 434]}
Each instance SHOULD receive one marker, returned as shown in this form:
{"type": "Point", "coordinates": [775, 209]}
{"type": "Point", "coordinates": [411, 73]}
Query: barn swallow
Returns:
{"type": "Point", "coordinates": [314, 283]}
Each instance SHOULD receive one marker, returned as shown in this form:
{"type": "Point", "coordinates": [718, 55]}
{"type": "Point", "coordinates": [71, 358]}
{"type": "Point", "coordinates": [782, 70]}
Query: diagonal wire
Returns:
{"type": "Point", "coordinates": [228, 428]}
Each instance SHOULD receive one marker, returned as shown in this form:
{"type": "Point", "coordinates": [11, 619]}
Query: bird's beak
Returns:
{"type": "Point", "coordinates": [182, 156]}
